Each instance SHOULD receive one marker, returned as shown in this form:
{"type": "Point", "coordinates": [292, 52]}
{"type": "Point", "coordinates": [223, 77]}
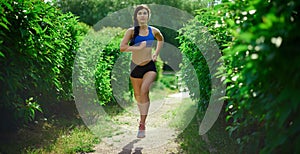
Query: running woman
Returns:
{"type": "Point", "coordinates": [139, 40]}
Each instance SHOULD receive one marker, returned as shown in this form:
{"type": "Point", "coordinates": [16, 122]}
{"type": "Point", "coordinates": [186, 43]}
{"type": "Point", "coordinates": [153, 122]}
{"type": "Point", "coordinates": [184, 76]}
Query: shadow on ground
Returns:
{"type": "Point", "coordinates": [127, 149]}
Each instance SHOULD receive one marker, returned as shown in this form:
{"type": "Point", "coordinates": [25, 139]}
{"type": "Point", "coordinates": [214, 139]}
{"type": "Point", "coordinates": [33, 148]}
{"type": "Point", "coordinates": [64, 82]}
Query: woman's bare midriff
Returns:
{"type": "Point", "coordinates": [142, 57]}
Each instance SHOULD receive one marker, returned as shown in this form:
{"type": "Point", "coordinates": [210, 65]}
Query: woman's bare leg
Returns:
{"type": "Point", "coordinates": [148, 79]}
{"type": "Point", "coordinates": [136, 84]}
{"type": "Point", "coordinates": [141, 93]}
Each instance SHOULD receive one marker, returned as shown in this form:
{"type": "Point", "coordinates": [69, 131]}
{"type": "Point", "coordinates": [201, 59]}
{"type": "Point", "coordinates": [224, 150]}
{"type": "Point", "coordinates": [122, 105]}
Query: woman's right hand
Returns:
{"type": "Point", "coordinates": [143, 45]}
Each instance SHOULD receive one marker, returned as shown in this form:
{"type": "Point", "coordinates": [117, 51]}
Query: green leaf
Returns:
{"type": "Point", "coordinates": [2, 55]}
{"type": "Point", "coordinates": [246, 36]}
{"type": "Point", "coordinates": [8, 6]}
{"type": "Point", "coordinates": [49, 45]}
{"type": "Point", "coordinates": [4, 25]}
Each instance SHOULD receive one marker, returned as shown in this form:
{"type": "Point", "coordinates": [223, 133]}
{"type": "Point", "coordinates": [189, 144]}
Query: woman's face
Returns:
{"type": "Point", "coordinates": [142, 16]}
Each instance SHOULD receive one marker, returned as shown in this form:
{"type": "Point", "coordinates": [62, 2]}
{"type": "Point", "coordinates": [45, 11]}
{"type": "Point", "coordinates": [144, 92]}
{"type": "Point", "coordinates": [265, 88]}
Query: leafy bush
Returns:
{"type": "Point", "coordinates": [92, 11]}
{"type": "Point", "coordinates": [258, 42]}
{"type": "Point", "coordinates": [193, 55]}
{"type": "Point", "coordinates": [263, 64]}
{"type": "Point", "coordinates": [95, 58]}
{"type": "Point", "coordinates": [198, 40]}
{"type": "Point", "coordinates": [170, 81]}
{"type": "Point", "coordinates": [37, 49]}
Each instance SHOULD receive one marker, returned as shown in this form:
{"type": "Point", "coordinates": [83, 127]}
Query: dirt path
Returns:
{"type": "Point", "coordinates": [160, 137]}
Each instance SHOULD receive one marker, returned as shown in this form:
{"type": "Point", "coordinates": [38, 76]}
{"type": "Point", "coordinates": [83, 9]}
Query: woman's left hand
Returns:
{"type": "Point", "coordinates": [154, 57]}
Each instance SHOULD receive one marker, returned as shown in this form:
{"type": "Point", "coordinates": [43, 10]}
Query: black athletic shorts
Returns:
{"type": "Point", "coordinates": [138, 71]}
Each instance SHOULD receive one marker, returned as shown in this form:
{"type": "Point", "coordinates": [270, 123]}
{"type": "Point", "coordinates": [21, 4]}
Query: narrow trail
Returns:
{"type": "Point", "coordinates": [160, 137]}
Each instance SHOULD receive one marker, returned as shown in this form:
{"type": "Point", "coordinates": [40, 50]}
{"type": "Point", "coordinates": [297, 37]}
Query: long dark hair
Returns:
{"type": "Point", "coordinates": [135, 22]}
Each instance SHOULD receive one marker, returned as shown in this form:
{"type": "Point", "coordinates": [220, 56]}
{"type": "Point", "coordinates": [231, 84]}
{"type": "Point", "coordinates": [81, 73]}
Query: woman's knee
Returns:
{"type": "Point", "coordinates": [137, 96]}
{"type": "Point", "coordinates": [144, 92]}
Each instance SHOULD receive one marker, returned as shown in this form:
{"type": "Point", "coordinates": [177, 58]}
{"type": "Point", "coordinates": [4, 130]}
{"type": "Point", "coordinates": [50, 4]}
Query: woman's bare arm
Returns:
{"type": "Point", "coordinates": [124, 47]}
{"type": "Point", "coordinates": [160, 41]}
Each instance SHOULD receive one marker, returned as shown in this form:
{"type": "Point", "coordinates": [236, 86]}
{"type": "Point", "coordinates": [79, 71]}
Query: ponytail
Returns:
{"type": "Point", "coordinates": [136, 32]}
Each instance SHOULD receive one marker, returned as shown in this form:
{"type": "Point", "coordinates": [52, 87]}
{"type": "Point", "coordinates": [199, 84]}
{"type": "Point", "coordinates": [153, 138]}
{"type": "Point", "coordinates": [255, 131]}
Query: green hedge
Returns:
{"type": "Point", "coordinates": [94, 62]}
{"type": "Point", "coordinates": [196, 38]}
{"type": "Point", "coordinates": [264, 98]}
{"type": "Point", "coordinates": [37, 48]}
{"type": "Point", "coordinates": [258, 40]}
{"type": "Point", "coordinates": [92, 11]}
